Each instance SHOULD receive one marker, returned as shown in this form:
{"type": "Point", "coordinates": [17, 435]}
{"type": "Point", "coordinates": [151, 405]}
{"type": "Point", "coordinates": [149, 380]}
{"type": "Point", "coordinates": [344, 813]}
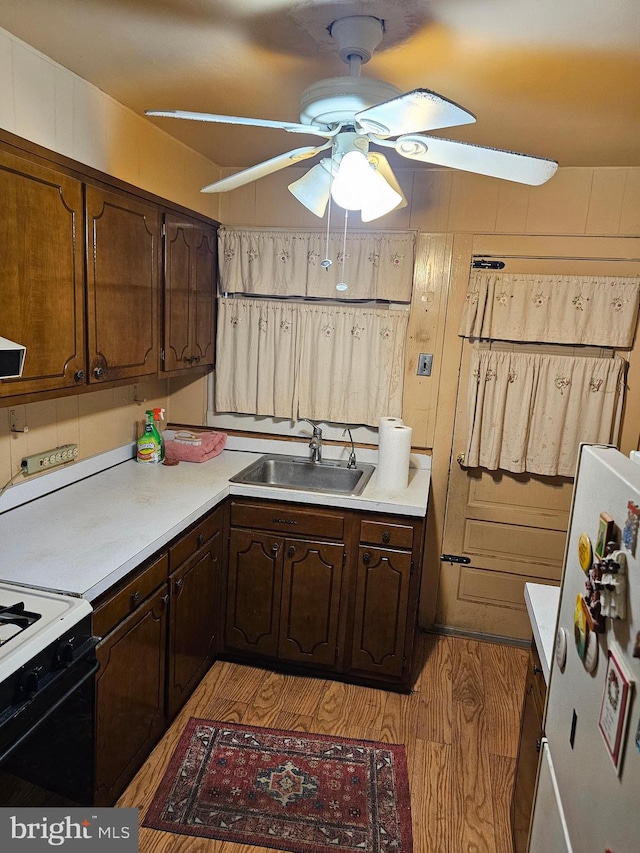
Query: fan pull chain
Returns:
{"type": "Point", "coordinates": [342, 284]}
{"type": "Point", "coordinates": [326, 263]}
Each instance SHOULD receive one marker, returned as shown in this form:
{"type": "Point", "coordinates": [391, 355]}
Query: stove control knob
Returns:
{"type": "Point", "coordinates": [31, 681]}
{"type": "Point", "coordinates": [65, 653]}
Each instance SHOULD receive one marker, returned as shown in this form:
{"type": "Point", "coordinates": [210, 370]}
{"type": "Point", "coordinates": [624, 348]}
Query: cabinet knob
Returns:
{"type": "Point", "coordinates": [386, 537]}
{"type": "Point", "coordinates": [78, 376]}
{"type": "Point", "coordinates": [200, 540]}
{"type": "Point", "coordinates": [98, 372]}
{"type": "Point", "coordinates": [538, 745]}
{"type": "Point", "coordinates": [135, 598]}
{"type": "Point", "coordinates": [179, 584]}
{"type": "Point", "coordinates": [366, 558]}
{"type": "Point", "coordinates": [196, 358]}
{"type": "Point", "coordinates": [275, 548]}
{"type": "Point", "coordinates": [537, 670]}
{"type": "Point", "coordinates": [292, 550]}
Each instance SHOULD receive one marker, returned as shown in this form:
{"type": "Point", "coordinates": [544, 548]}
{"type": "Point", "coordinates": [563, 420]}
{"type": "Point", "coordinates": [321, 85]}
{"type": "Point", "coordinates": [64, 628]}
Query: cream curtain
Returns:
{"type": "Point", "coordinates": [257, 352]}
{"type": "Point", "coordinates": [378, 265]}
{"type": "Point", "coordinates": [529, 412]}
{"type": "Point", "coordinates": [601, 311]}
{"type": "Point", "coordinates": [351, 363]}
{"type": "Point", "coordinates": [327, 362]}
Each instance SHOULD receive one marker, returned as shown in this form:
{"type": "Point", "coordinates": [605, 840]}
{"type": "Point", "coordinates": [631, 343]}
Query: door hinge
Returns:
{"type": "Point", "coordinates": [164, 229]}
{"type": "Point", "coordinates": [344, 558]}
{"type": "Point", "coordinates": [485, 264]}
{"type": "Point", "coordinates": [162, 354]}
{"type": "Point", "coordinates": [411, 567]}
{"type": "Point", "coordinates": [454, 558]}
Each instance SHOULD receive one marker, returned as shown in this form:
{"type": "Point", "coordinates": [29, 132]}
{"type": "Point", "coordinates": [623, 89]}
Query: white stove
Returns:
{"type": "Point", "coordinates": [31, 620]}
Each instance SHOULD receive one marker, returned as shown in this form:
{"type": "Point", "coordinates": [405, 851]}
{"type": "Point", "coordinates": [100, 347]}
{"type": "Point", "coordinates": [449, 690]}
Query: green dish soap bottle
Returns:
{"type": "Point", "coordinates": [149, 443]}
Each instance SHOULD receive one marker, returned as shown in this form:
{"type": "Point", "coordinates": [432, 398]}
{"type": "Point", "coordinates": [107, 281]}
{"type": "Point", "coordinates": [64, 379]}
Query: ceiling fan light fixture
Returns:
{"type": "Point", "coordinates": [313, 189]}
{"type": "Point", "coordinates": [359, 187]}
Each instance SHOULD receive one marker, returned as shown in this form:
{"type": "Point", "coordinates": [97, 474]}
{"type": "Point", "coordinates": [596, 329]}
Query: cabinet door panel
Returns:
{"type": "Point", "coordinates": [312, 581]}
{"type": "Point", "coordinates": [380, 617]}
{"type": "Point", "coordinates": [254, 590]}
{"type": "Point", "coordinates": [190, 273]}
{"type": "Point", "coordinates": [130, 696]}
{"type": "Point", "coordinates": [204, 297]}
{"type": "Point", "coordinates": [192, 633]}
{"type": "Point", "coordinates": [122, 285]}
{"type": "Point", "coordinates": [41, 275]}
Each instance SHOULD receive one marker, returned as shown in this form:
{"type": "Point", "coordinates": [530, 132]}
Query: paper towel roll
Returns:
{"type": "Point", "coordinates": [394, 449]}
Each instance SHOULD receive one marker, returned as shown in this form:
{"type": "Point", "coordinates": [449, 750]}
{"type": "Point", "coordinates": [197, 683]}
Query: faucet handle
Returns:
{"type": "Point", "coordinates": [316, 429]}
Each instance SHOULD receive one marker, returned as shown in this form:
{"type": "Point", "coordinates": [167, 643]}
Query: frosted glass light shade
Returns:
{"type": "Point", "coordinates": [359, 187]}
{"type": "Point", "coordinates": [313, 189]}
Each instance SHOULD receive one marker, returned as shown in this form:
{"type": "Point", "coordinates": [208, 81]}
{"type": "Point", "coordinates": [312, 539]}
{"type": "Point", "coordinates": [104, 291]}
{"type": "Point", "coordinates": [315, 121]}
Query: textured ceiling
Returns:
{"type": "Point", "coordinates": [552, 78]}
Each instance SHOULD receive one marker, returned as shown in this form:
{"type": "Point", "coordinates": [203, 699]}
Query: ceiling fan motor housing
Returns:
{"type": "Point", "coordinates": [336, 100]}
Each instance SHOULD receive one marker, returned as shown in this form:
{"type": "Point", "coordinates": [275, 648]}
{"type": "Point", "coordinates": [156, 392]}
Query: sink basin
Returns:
{"type": "Point", "coordinates": [300, 474]}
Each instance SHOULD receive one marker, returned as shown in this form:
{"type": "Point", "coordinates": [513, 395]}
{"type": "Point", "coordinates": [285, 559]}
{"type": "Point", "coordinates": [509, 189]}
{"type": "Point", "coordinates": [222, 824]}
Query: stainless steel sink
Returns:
{"type": "Point", "coordinates": [300, 474]}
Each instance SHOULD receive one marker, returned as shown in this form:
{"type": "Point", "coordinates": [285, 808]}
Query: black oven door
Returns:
{"type": "Point", "coordinates": [46, 741]}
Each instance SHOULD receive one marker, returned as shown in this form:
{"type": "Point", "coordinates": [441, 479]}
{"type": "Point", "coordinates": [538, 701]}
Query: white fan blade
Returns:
{"type": "Point", "coordinates": [292, 127]}
{"type": "Point", "coordinates": [420, 109]}
{"type": "Point", "coordinates": [475, 158]}
{"type": "Point", "coordinates": [265, 168]}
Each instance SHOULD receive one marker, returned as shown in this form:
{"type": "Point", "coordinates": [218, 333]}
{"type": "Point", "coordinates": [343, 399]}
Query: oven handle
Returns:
{"type": "Point", "coordinates": [51, 710]}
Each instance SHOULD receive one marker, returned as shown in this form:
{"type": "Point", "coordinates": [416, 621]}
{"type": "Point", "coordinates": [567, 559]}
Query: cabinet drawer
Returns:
{"type": "Point", "coordinates": [288, 520]}
{"type": "Point", "coordinates": [195, 539]}
{"type": "Point", "coordinates": [383, 533]}
{"type": "Point", "coordinates": [130, 596]}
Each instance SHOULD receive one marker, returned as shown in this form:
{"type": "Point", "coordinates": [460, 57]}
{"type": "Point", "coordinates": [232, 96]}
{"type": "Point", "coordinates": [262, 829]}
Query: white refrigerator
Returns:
{"type": "Point", "coordinates": [588, 789]}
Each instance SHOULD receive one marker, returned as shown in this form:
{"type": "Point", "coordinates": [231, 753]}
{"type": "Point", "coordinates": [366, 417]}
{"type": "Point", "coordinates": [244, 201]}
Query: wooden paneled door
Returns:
{"type": "Point", "coordinates": [123, 251]}
{"type": "Point", "coordinates": [190, 274]}
{"type": "Point", "coordinates": [506, 529]}
{"type": "Point", "coordinates": [41, 279]}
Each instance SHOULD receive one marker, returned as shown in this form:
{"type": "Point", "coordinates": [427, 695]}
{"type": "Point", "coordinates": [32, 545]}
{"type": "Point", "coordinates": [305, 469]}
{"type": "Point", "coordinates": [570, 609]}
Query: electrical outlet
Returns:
{"type": "Point", "coordinates": [49, 459]}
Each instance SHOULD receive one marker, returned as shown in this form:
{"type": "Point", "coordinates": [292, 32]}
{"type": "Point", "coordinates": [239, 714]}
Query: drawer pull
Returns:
{"type": "Point", "coordinates": [386, 537]}
{"type": "Point", "coordinates": [366, 558]}
{"type": "Point", "coordinates": [200, 540]}
{"type": "Point", "coordinates": [135, 598]}
{"type": "Point", "coordinates": [284, 521]}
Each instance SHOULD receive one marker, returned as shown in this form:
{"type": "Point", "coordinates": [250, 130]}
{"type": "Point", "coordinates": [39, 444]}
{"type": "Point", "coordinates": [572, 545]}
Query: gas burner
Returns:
{"type": "Point", "coordinates": [14, 618]}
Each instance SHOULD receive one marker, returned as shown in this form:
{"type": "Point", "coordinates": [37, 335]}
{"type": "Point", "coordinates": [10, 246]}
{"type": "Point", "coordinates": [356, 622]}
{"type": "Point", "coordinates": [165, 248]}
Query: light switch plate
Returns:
{"type": "Point", "coordinates": [425, 361]}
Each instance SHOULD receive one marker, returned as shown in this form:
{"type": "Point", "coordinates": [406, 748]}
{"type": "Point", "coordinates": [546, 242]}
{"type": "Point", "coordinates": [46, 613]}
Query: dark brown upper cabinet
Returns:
{"type": "Point", "coordinates": [123, 251]}
{"type": "Point", "coordinates": [41, 274]}
{"type": "Point", "coordinates": [190, 274]}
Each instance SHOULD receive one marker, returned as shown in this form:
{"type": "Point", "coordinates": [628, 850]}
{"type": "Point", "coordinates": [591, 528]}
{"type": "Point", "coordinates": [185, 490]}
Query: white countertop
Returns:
{"type": "Point", "coordinates": [542, 606]}
{"type": "Point", "coordinates": [83, 538]}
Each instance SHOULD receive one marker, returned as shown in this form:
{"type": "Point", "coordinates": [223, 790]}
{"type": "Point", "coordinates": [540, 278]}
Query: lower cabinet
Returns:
{"type": "Point", "coordinates": [315, 597]}
{"type": "Point", "coordinates": [531, 734]}
{"type": "Point", "coordinates": [130, 685]}
{"type": "Point", "coordinates": [159, 632]}
{"type": "Point", "coordinates": [283, 597]}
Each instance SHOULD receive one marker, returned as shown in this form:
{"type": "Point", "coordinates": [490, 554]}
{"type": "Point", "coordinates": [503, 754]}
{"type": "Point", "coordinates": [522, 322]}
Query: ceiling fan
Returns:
{"type": "Point", "coordinates": [352, 112]}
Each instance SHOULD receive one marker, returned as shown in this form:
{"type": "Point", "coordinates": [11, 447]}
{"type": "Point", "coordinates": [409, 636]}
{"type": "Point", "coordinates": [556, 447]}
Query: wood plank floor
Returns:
{"type": "Point", "coordinates": [460, 728]}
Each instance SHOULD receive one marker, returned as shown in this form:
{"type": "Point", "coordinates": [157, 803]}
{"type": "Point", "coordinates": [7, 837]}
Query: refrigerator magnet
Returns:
{"type": "Point", "coordinates": [580, 626]}
{"type": "Point", "coordinates": [605, 534]}
{"type": "Point", "coordinates": [585, 552]}
{"type": "Point", "coordinates": [614, 711]}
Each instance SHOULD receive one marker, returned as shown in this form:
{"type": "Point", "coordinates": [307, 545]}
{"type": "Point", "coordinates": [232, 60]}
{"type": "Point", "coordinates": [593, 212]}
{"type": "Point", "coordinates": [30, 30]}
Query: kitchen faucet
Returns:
{"type": "Point", "coordinates": [315, 445]}
{"type": "Point", "coordinates": [352, 456]}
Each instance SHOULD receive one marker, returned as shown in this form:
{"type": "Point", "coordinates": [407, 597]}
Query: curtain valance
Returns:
{"type": "Point", "coordinates": [340, 363]}
{"type": "Point", "coordinates": [529, 412]}
{"type": "Point", "coordinates": [378, 265]}
{"type": "Point", "coordinates": [600, 311]}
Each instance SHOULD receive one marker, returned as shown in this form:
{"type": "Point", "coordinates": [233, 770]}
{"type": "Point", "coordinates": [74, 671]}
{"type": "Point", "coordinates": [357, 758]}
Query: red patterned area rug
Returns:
{"type": "Point", "coordinates": [286, 790]}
